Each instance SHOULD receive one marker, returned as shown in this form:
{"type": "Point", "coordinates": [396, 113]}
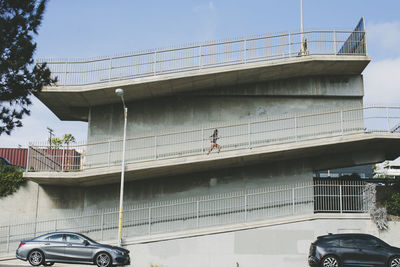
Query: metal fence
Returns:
{"type": "Point", "coordinates": [243, 135]}
{"type": "Point", "coordinates": [200, 212]}
{"type": "Point", "coordinates": [207, 55]}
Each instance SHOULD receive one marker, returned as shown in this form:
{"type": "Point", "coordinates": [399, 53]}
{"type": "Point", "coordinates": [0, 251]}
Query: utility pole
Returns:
{"type": "Point", "coordinates": [51, 134]}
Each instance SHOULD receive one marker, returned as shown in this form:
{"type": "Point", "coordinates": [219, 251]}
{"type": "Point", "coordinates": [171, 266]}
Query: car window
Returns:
{"type": "Point", "coordinates": [348, 243]}
{"type": "Point", "coordinates": [74, 239]}
{"type": "Point", "coordinates": [370, 242]}
{"type": "Point", "coordinates": [332, 242]}
{"type": "Point", "coordinates": [55, 238]}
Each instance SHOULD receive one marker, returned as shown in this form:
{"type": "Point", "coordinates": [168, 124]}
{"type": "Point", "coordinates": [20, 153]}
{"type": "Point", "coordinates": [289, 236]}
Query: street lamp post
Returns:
{"type": "Point", "coordinates": [120, 92]}
{"type": "Point", "coordinates": [301, 27]}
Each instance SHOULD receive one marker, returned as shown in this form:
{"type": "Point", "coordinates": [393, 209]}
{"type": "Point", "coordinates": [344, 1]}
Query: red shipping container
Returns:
{"type": "Point", "coordinates": [17, 156]}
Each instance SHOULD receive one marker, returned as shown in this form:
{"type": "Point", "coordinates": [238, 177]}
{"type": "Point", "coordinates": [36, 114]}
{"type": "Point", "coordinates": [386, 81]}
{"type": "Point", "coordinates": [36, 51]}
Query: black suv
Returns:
{"type": "Point", "coordinates": [340, 250]}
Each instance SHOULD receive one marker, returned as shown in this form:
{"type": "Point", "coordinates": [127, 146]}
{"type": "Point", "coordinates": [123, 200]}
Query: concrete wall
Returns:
{"type": "Point", "coordinates": [283, 245]}
{"type": "Point", "coordinates": [43, 202]}
{"type": "Point", "coordinates": [227, 104]}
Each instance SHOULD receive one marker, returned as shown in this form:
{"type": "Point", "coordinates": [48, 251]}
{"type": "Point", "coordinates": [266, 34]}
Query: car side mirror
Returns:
{"type": "Point", "coordinates": [86, 243]}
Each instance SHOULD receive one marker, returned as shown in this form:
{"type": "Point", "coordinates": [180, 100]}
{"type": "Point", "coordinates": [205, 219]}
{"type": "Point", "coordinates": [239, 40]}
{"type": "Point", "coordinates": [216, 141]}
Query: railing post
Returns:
{"type": "Point", "coordinates": [200, 62]}
{"type": "Point", "coordinates": [8, 238]}
{"type": "Point", "coordinates": [293, 201]}
{"type": "Point", "coordinates": [149, 226]}
{"type": "Point", "coordinates": [102, 226]}
{"type": "Point", "coordinates": [387, 119]}
{"type": "Point", "coordinates": [341, 122]}
{"type": "Point", "coordinates": [295, 129]}
{"type": "Point", "coordinates": [245, 51]}
{"type": "Point", "coordinates": [197, 213]}
{"type": "Point", "coordinates": [62, 159]}
{"type": "Point", "coordinates": [334, 42]}
{"type": "Point", "coordinates": [245, 207]}
{"type": "Point", "coordinates": [290, 45]}
{"type": "Point", "coordinates": [55, 225]}
{"type": "Point", "coordinates": [27, 159]}
{"type": "Point", "coordinates": [249, 134]}
{"type": "Point", "coordinates": [202, 140]}
{"type": "Point", "coordinates": [155, 147]}
{"type": "Point", "coordinates": [340, 199]}
{"type": "Point", "coordinates": [65, 74]}
{"type": "Point", "coordinates": [110, 69]}
{"type": "Point", "coordinates": [109, 153]}
{"type": "Point", "coordinates": [154, 62]}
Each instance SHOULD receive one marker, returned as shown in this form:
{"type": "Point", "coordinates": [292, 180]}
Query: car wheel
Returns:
{"type": "Point", "coordinates": [330, 261]}
{"type": "Point", "coordinates": [103, 259]}
{"type": "Point", "coordinates": [49, 263]}
{"type": "Point", "coordinates": [394, 262]}
{"type": "Point", "coordinates": [36, 258]}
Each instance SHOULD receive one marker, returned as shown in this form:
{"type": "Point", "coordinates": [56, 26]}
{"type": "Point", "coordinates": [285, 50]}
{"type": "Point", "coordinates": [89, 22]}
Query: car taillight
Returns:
{"type": "Point", "coordinates": [21, 244]}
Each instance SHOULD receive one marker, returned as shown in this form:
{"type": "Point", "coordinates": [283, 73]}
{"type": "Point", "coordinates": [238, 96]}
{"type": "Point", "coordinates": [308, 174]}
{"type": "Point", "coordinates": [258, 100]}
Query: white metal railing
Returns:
{"type": "Point", "coordinates": [204, 211]}
{"type": "Point", "coordinates": [243, 135]}
{"type": "Point", "coordinates": [207, 55]}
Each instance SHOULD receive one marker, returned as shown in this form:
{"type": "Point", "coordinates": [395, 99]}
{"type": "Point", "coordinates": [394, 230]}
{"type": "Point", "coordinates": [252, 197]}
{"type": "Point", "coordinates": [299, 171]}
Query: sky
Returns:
{"type": "Point", "coordinates": [91, 28]}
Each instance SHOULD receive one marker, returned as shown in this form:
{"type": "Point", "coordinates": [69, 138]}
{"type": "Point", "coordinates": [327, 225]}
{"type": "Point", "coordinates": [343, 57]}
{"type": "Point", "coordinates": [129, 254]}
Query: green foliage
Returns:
{"type": "Point", "coordinates": [67, 139]}
{"type": "Point", "coordinates": [393, 204]}
{"type": "Point", "coordinates": [10, 179]}
{"type": "Point", "coordinates": [19, 77]}
{"type": "Point", "coordinates": [57, 142]}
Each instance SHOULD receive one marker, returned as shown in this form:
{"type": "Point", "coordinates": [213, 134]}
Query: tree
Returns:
{"type": "Point", "coordinates": [10, 179]}
{"type": "Point", "coordinates": [57, 142]}
{"type": "Point", "coordinates": [19, 76]}
{"type": "Point", "coordinates": [67, 139]}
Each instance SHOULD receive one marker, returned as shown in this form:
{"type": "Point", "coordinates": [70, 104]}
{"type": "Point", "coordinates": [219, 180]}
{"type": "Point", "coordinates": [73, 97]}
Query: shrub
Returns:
{"type": "Point", "coordinates": [10, 179]}
{"type": "Point", "coordinates": [393, 205]}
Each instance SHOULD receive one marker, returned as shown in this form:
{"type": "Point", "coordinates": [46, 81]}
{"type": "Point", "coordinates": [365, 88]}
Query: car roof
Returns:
{"type": "Point", "coordinates": [344, 235]}
{"type": "Point", "coordinates": [55, 233]}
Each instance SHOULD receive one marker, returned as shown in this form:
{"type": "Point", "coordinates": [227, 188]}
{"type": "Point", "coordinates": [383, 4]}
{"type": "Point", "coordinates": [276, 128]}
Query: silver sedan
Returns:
{"type": "Point", "coordinates": [66, 247]}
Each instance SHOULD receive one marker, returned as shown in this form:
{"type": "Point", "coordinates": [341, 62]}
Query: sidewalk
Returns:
{"type": "Point", "coordinates": [15, 262]}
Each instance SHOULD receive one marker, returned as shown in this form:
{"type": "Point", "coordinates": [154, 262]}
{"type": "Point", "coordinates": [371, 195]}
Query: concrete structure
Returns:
{"type": "Point", "coordinates": [276, 243]}
{"type": "Point", "coordinates": [281, 115]}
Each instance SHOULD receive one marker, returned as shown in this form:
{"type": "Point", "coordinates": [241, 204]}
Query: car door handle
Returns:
{"type": "Point", "coordinates": [47, 244]}
{"type": "Point", "coordinates": [69, 244]}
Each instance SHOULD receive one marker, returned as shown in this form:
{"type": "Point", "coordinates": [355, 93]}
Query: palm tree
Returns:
{"type": "Point", "coordinates": [67, 139]}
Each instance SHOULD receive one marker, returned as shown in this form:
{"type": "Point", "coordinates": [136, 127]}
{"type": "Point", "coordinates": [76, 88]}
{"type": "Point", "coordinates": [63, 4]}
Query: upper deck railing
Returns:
{"type": "Point", "coordinates": [207, 55]}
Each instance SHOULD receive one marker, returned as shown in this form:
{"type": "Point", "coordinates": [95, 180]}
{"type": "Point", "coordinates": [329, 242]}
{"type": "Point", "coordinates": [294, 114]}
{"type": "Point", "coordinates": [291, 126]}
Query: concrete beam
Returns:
{"type": "Point", "coordinates": [322, 153]}
{"type": "Point", "coordinates": [72, 102]}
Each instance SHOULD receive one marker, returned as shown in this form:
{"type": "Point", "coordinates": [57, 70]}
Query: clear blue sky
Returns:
{"type": "Point", "coordinates": [89, 28]}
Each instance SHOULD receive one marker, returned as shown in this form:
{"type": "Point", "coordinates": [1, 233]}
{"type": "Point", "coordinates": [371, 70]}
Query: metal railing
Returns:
{"type": "Point", "coordinates": [207, 55]}
{"type": "Point", "coordinates": [243, 135]}
{"type": "Point", "coordinates": [204, 211]}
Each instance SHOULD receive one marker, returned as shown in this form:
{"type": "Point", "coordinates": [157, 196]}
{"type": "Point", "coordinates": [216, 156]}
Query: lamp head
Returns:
{"type": "Point", "coordinates": [119, 92]}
